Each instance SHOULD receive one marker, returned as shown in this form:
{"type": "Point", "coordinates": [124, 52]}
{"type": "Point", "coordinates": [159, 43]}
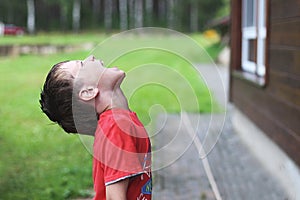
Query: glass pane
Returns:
{"type": "Point", "coordinates": [262, 13]}
{"type": "Point", "coordinates": [249, 13]}
{"type": "Point", "coordinates": [252, 50]}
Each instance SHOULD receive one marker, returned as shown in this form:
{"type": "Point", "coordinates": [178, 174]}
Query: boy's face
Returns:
{"type": "Point", "coordinates": [92, 73]}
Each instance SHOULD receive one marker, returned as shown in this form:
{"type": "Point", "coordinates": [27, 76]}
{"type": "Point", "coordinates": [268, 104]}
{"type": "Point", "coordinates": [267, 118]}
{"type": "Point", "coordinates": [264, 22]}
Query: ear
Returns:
{"type": "Point", "coordinates": [88, 93]}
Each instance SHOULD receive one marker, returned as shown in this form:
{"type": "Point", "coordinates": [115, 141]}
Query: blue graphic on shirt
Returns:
{"type": "Point", "coordinates": [147, 188]}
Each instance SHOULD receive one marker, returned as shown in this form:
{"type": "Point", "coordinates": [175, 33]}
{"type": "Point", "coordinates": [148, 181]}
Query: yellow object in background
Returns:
{"type": "Point", "coordinates": [211, 34]}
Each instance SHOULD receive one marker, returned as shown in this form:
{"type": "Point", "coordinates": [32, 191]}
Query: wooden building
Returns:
{"type": "Point", "coordinates": [265, 68]}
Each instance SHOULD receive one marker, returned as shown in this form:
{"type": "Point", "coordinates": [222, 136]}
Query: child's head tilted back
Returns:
{"type": "Point", "coordinates": [57, 102]}
{"type": "Point", "coordinates": [76, 92]}
{"type": "Point", "coordinates": [56, 97]}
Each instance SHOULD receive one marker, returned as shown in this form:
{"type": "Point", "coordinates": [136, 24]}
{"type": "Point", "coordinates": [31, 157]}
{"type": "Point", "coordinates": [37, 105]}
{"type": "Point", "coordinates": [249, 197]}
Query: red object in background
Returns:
{"type": "Point", "coordinates": [10, 29]}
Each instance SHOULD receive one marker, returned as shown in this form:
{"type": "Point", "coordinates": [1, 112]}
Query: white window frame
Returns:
{"type": "Point", "coordinates": [256, 31]}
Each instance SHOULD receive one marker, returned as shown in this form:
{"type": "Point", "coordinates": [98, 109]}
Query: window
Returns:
{"type": "Point", "coordinates": [254, 37]}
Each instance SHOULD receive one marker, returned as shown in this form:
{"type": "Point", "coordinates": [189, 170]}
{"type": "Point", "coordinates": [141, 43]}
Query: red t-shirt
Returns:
{"type": "Point", "coordinates": [122, 150]}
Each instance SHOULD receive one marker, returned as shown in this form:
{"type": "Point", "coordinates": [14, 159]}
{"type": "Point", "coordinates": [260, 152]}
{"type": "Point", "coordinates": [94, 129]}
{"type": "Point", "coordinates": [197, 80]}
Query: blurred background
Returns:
{"type": "Point", "coordinates": [105, 15]}
{"type": "Point", "coordinates": [37, 159]}
{"type": "Point", "coordinates": [255, 157]}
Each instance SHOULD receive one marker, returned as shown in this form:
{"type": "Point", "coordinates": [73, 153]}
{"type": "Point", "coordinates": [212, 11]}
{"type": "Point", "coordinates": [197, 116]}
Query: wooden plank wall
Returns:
{"type": "Point", "coordinates": [276, 107]}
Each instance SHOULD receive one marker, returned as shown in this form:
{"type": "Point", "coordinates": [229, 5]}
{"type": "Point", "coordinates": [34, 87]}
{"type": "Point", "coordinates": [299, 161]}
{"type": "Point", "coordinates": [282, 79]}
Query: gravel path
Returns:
{"type": "Point", "coordinates": [178, 171]}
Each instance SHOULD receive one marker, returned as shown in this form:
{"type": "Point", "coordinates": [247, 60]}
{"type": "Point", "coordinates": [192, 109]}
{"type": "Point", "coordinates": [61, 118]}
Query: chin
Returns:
{"type": "Point", "coordinates": [122, 76]}
{"type": "Point", "coordinates": [123, 73]}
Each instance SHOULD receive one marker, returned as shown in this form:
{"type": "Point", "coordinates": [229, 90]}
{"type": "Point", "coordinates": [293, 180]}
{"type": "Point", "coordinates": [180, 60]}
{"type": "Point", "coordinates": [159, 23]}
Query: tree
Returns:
{"type": "Point", "coordinates": [108, 8]}
{"type": "Point", "coordinates": [162, 10]}
{"type": "Point", "coordinates": [64, 6]}
{"type": "Point", "coordinates": [131, 13]}
{"type": "Point", "coordinates": [63, 17]}
{"type": "Point", "coordinates": [170, 14]}
{"type": "Point", "coordinates": [207, 10]}
{"type": "Point", "coordinates": [194, 19]}
{"type": "Point", "coordinates": [76, 15]}
{"type": "Point", "coordinates": [96, 10]}
{"type": "Point", "coordinates": [149, 12]}
{"type": "Point", "coordinates": [30, 16]}
{"type": "Point", "coordinates": [183, 15]}
{"type": "Point", "coordinates": [138, 14]}
{"type": "Point", "coordinates": [123, 14]}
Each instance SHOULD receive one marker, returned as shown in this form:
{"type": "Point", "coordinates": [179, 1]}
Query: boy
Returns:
{"type": "Point", "coordinates": [85, 97]}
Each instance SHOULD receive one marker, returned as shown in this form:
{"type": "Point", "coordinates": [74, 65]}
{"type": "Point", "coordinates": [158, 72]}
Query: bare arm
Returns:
{"type": "Point", "coordinates": [117, 191]}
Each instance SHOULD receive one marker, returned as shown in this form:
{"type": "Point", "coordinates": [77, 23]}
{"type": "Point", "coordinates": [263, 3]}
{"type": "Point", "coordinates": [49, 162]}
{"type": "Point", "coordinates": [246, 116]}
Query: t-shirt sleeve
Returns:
{"type": "Point", "coordinates": [118, 152]}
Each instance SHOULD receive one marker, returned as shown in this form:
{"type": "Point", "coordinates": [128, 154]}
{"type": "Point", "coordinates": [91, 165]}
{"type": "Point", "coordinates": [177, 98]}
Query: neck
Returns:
{"type": "Point", "coordinates": [118, 100]}
{"type": "Point", "coordinates": [112, 100]}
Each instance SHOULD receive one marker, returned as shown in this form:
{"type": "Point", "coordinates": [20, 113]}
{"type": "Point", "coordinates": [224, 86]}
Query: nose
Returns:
{"type": "Point", "coordinates": [90, 58]}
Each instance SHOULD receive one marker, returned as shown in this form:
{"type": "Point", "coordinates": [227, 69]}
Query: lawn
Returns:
{"type": "Point", "coordinates": [38, 160]}
{"type": "Point", "coordinates": [53, 38]}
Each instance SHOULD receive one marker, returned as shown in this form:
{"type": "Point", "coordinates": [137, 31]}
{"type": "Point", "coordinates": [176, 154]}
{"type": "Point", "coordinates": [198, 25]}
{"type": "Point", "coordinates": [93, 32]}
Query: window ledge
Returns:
{"type": "Point", "coordinates": [251, 78]}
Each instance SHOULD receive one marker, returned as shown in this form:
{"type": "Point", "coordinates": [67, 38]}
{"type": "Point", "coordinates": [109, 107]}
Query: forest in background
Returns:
{"type": "Point", "coordinates": [77, 15]}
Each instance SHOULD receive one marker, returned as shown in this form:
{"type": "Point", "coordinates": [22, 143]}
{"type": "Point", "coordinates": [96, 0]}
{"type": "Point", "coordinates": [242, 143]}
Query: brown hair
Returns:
{"type": "Point", "coordinates": [56, 100]}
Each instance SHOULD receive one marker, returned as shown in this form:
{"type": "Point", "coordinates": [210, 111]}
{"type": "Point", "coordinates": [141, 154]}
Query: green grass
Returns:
{"type": "Point", "coordinates": [156, 77]}
{"type": "Point", "coordinates": [54, 38]}
{"type": "Point", "coordinates": [38, 160]}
